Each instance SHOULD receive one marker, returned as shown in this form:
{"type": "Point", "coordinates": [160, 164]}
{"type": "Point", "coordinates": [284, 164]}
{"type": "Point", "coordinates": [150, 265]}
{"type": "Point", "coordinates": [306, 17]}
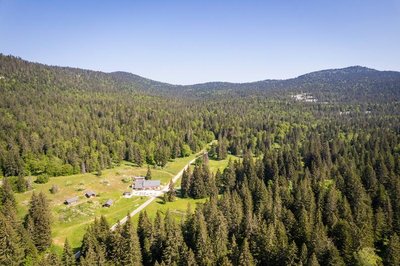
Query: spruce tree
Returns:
{"type": "Point", "coordinates": [228, 177]}
{"type": "Point", "coordinates": [92, 252]}
{"type": "Point", "coordinates": [50, 259]}
{"type": "Point", "coordinates": [145, 234]}
{"type": "Point", "coordinates": [186, 183]}
{"type": "Point", "coordinates": [245, 258]}
{"type": "Point", "coordinates": [203, 248]}
{"type": "Point", "coordinates": [312, 260]}
{"type": "Point", "coordinates": [148, 174]}
{"type": "Point", "coordinates": [392, 255]}
{"type": "Point", "coordinates": [68, 257]}
{"type": "Point", "coordinates": [21, 184]}
{"type": "Point", "coordinates": [130, 254]}
{"type": "Point", "coordinates": [11, 251]}
{"type": "Point", "coordinates": [170, 195]}
{"type": "Point", "coordinates": [187, 257]}
{"type": "Point", "coordinates": [198, 188]}
{"type": "Point", "coordinates": [158, 237]}
{"type": "Point", "coordinates": [38, 221]}
{"type": "Point", "coordinates": [173, 241]}
{"type": "Point", "coordinates": [6, 193]}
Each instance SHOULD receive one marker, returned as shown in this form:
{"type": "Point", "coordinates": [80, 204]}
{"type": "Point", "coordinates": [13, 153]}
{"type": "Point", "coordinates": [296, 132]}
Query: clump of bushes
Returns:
{"type": "Point", "coordinates": [42, 179]}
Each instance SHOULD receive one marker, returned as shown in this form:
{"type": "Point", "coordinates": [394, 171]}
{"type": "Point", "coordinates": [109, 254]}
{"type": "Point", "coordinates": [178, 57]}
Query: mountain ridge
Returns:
{"type": "Point", "coordinates": [125, 74]}
{"type": "Point", "coordinates": [355, 82]}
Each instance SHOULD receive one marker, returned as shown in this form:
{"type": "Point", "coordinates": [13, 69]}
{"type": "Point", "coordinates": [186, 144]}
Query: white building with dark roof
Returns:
{"type": "Point", "coordinates": [141, 184]}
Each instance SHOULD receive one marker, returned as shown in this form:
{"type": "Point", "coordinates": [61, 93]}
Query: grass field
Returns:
{"type": "Point", "coordinates": [177, 208]}
{"type": "Point", "coordinates": [71, 221]}
{"type": "Point", "coordinates": [221, 164]}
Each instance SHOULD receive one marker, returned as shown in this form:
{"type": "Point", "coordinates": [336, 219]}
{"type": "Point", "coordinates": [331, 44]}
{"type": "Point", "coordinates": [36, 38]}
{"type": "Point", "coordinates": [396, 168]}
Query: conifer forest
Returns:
{"type": "Point", "coordinates": [314, 179]}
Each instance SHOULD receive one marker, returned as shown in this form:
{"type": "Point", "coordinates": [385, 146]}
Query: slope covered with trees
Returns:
{"type": "Point", "coordinates": [317, 184]}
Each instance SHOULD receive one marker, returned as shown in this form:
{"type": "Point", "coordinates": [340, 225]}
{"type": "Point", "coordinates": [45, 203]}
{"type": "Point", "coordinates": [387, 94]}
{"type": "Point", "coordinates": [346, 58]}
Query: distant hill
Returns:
{"type": "Point", "coordinates": [353, 83]}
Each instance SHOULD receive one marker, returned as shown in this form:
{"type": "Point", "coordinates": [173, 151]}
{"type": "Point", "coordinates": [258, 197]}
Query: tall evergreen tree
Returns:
{"type": "Point", "coordinates": [392, 256]}
{"type": "Point", "coordinates": [148, 174]}
{"type": "Point", "coordinates": [186, 183]}
{"type": "Point", "coordinates": [145, 234]}
{"type": "Point", "coordinates": [38, 221]}
{"type": "Point", "coordinates": [245, 258]}
{"type": "Point", "coordinates": [11, 251]}
{"type": "Point", "coordinates": [68, 257]}
{"type": "Point", "coordinates": [130, 254]}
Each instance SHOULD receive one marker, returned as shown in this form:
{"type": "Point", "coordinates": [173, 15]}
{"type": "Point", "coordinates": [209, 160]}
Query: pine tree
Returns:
{"type": "Point", "coordinates": [92, 252]}
{"type": "Point", "coordinates": [90, 258]}
{"type": "Point", "coordinates": [202, 242]}
{"type": "Point", "coordinates": [21, 184]}
{"type": "Point", "coordinates": [225, 262]}
{"type": "Point", "coordinates": [130, 245]}
{"type": "Point", "coordinates": [51, 259]}
{"type": "Point", "coordinates": [198, 189]}
{"type": "Point", "coordinates": [29, 248]}
{"type": "Point", "coordinates": [145, 234]}
{"type": "Point", "coordinates": [186, 183]}
{"type": "Point", "coordinates": [245, 258]}
{"type": "Point", "coordinates": [173, 241]}
{"type": "Point", "coordinates": [170, 195]}
{"type": "Point", "coordinates": [313, 261]}
{"type": "Point", "coordinates": [392, 256]}
{"type": "Point", "coordinates": [11, 252]}
{"type": "Point", "coordinates": [291, 256]}
{"type": "Point", "coordinates": [221, 150]}
{"type": "Point", "coordinates": [304, 254]}
{"type": "Point", "coordinates": [158, 237]}
{"type": "Point", "coordinates": [187, 257]}
{"type": "Point", "coordinates": [228, 177]}
{"type": "Point", "coordinates": [148, 174]}
{"type": "Point", "coordinates": [68, 257]}
{"type": "Point", "coordinates": [38, 221]}
{"type": "Point", "coordinates": [6, 193]}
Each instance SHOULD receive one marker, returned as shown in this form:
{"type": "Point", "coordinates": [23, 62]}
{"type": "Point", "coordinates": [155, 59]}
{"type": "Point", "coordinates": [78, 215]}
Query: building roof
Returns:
{"type": "Point", "coordinates": [139, 184]}
{"type": "Point", "coordinates": [71, 200]}
{"type": "Point", "coordinates": [109, 202]}
{"type": "Point", "coordinates": [90, 193]}
{"type": "Point", "coordinates": [139, 177]}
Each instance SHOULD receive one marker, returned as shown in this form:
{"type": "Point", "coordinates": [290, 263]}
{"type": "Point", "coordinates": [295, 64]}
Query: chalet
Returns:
{"type": "Point", "coordinates": [71, 201]}
{"type": "Point", "coordinates": [108, 203]}
{"type": "Point", "coordinates": [146, 184]}
{"type": "Point", "coordinates": [90, 194]}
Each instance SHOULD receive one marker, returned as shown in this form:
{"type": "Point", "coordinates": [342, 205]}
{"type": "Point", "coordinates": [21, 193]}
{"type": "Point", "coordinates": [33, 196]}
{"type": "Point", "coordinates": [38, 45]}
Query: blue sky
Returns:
{"type": "Point", "coordinates": [186, 42]}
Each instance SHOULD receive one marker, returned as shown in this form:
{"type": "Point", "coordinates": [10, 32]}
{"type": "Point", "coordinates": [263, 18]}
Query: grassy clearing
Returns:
{"type": "Point", "coordinates": [177, 208]}
{"type": "Point", "coordinates": [221, 164]}
{"type": "Point", "coordinates": [71, 221]}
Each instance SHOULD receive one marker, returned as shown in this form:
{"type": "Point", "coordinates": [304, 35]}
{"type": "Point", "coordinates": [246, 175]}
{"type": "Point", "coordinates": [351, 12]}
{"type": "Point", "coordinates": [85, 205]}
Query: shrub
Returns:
{"type": "Point", "coordinates": [42, 179]}
{"type": "Point", "coordinates": [54, 189]}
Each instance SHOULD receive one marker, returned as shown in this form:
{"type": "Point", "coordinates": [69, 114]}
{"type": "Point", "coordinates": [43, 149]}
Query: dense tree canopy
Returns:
{"type": "Point", "coordinates": [317, 182]}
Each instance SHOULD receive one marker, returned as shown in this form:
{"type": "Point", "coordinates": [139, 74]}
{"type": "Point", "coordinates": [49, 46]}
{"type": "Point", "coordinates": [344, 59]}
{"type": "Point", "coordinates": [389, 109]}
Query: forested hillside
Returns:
{"type": "Point", "coordinates": [317, 184]}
